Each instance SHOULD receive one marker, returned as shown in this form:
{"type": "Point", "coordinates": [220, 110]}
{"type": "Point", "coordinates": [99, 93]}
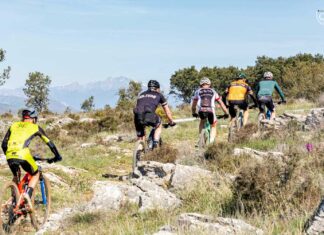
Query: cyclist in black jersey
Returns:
{"type": "Point", "coordinates": [144, 112]}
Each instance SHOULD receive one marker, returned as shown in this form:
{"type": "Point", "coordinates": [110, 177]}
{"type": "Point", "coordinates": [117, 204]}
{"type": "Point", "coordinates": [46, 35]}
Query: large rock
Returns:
{"type": "Point", "coordinates": [60, 123]}
{"type": "Point", "coordinates": [144, 193]}
{"type": "Point", "coordinates": [185, 177]}
{"type": "Point", "coordinates": [316, 224]}
{"type": "Point", "coordinates": [171, 175]}
{"type": "Point", "coordinates": [194, 223]}
{"type": "Point", "coordinates": [315, 120]}
{"type": "Point", "coordinates": [259, 155]}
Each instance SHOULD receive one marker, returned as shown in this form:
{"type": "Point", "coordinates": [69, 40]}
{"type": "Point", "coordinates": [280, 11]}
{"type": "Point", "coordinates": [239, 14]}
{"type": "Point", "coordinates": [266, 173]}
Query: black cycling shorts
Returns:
{"type": "Point", "coordinates": [241, 104]}
{"type": "Point", "coordinates": [14, 164]}
{"type": "Point", "coordinates": [143, 120]}
{"type": "Point", "coordinates": [265, 101]}
{"type": "Point", "coordinates": [209, 115]}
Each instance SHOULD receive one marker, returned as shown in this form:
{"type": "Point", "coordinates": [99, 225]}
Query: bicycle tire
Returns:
{"type": "Point", "coordinates": [7, 218]}
{"type": "Point", "coordinates": [41, 209]}
{"type": "Point", "coordinates": [138, 153]}
{"type": "Point", "coordinates": [261, 117]}
{"type": "Point", "coordinates": [203, 139]}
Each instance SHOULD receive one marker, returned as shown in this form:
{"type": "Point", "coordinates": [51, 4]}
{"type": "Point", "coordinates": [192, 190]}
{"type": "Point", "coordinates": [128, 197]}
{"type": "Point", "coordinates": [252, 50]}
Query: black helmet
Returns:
{"type": "Point", "coordinates": [27, 113]}
{"type": "Point", "coordinates": [153, 84]}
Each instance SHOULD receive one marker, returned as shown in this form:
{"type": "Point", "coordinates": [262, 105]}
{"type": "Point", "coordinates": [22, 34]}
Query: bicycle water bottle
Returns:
{"type": "Point", "coordinates": [42, 184]}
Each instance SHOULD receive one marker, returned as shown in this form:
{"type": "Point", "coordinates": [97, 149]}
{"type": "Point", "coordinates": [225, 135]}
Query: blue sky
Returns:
{"type": "Point", "coordinates": [89, 40]}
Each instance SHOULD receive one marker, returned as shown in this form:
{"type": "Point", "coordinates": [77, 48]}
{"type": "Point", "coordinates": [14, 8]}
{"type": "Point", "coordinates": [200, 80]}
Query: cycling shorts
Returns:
{"type": "Point", "coordinates": [265, 101]}
{"type": "Point", "coordinates": [241, 104]}
{"type": "Point", "coordinates": [212, 119]}
{"type": "Point", "coordinates": [143, 120]}
{"type": "Point", "coordinates": [28, 166]}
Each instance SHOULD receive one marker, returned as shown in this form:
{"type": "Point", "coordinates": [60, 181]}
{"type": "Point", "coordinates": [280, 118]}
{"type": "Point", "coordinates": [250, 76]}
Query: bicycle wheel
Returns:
{"type": "Point", "coordinates": [260, 118]}
{"type": "Point", "coordinates": [138, 153]}
{"type": "Point", "coordinates": [9, 198]}
{"type": "Point", "coordinates": [41, 201]}
{"type": "Point", "coordinates": [239, 120]}
{"type": "Point", "coordinates": [203, 138]}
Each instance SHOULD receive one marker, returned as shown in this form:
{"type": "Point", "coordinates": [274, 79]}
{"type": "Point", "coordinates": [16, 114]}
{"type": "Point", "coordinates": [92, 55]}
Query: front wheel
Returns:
{"type": "Point", "coordinates": [203, 138]}
{"type": "Point", "coordinates": [8, 200]}
{"type": "Point", "coordinates": [138, 153]}
{"type": "Point", "coordinates": [41, 201]}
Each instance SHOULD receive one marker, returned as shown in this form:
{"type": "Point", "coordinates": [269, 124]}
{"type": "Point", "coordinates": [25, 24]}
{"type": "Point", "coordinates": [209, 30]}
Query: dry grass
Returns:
{"type": "Point", "coordinates": [164, 154]}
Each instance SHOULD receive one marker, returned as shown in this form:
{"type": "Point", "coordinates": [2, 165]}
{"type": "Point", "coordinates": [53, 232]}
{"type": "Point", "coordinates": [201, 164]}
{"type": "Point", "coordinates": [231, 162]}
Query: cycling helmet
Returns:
{"type": "Point", "coordinates": [205, 80]}
{"type": "Point", "coordinates": [242, 76]}
{"type": "Point", "coordinates": [268, 75]}
{"type": "Point", "coordinates": [153, 84]}
{"type": "Point", "coordinates": [27, 113]}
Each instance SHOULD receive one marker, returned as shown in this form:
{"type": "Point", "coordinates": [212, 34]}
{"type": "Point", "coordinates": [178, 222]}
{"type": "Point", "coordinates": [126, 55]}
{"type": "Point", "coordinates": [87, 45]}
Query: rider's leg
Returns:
{"type": "Point", "coordinates": [273, 114]}
{"type": "Point", "coordinates": [245, 117]}
{"type": "Point", "coordinates": [271, 107]}
{"type": "Point", "coordinates": [213, 131]}
{"type": "Point", "coordinates": [232, 112]}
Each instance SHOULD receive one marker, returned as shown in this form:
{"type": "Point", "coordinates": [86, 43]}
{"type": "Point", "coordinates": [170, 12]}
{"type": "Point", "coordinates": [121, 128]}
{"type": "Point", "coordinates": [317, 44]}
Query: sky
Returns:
{"type": "Point", "coordinates": [91, 40]}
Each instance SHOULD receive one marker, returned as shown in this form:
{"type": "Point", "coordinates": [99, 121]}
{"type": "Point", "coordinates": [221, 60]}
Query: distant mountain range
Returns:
{"type": "Point", "coordinates": [72, 95]}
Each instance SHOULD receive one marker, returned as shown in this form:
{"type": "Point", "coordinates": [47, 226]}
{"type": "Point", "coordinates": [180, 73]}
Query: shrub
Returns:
{"type": "Point", "coordinates": [164, 154]}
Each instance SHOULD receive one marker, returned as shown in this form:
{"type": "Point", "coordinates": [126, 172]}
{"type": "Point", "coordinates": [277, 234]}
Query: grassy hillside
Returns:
{"type": "Point", "coordinates": [277, 198]}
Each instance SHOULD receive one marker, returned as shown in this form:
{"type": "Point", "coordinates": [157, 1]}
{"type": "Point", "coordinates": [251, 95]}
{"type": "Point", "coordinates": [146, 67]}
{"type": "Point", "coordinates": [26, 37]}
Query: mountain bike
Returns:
{"type": "Point", "coordinates": [204, 135]}
{"type": "Point", "coordinates": [144, 146]}
{"type": "Point", "coordinates": [265, 116]}
{"type": "Point", "coordinates": [14, 206]}
{"type": "Point", "coordinates": [235, 126]}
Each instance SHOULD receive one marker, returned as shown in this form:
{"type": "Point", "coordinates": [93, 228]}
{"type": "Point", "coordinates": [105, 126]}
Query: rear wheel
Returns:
{"type": "Point", "coordinates": [8, 200]}
{"type": "Point", "coordinates": [261, 117]}
{"type": "Point", "coordinates": [41, 201]}
{"type": "Point", "coordinates": [203, 138]}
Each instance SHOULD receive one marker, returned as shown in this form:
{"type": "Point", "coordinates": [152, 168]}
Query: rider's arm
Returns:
{"type": "Point", "coordinates": [221, 103]}
{"type": "Point", "coordinates": [250, 93]}
{"type": "Point", "coordinates": [5, 141]}
{"type": "Point", "coordinates": [168, 112]}
{"type": "Point", "coordinates": [278, 89]}
{"type": "Point", "coordinates": [50, 144]}
{"type": "Point", "coordinates": [194, 102]}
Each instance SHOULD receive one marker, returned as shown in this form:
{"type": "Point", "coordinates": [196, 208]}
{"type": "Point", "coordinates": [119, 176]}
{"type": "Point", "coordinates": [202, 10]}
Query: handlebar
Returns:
{"type": "Point", "coordinates": [167, 125]}
{"type": "Point", "coordinates": [38, 158]}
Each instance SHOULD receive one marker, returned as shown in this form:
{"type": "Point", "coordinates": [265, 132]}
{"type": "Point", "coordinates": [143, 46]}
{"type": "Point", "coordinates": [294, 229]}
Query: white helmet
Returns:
{"type": "Point", "coordinates": [205, 80]}
{"type": "Point", "coordinates": [268, 75]}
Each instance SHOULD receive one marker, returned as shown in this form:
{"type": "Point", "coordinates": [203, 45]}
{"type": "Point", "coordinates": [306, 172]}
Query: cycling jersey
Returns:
{"type": "Point", "coordinates": [238, 90]}
{"type": "Point", "coordinates": [266, 88]}
{"type": "Point", "coordinates": [17, 139]}
{"type": "Point", "coordinates": [148, 101]}
{"type": "Point", "coordinates": [206, 98]}
{"type": "Point", "coordinates": [144, 112]}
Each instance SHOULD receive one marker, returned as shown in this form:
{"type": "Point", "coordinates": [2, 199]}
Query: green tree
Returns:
{"type": "Point", "coordinates": [88, 105]}
{"type": "Point", "coordinates": [184, 82]}
{"type": "Point", "coordinates": [37, 91]}
{"type": "Point", "coordinates": [128, 97]}
{"type": "Point", "coordinates": [5, 74]}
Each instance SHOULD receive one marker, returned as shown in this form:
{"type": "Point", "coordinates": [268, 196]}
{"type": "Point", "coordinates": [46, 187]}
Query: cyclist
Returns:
{"type": "Point", "coordinates": [205, 98]}
{"type": "Point", "coordinates": [237, 94]}
{"type": "Point", "coordinates": [264, 93]}
{"type": "Point", "coordinates": [15, 147]}
{"type": "Point", "coordinates": [144, 112]}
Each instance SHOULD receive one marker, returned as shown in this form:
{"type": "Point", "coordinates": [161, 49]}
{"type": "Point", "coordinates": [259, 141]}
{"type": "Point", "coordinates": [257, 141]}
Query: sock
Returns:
{"type": "Point", "coordinates": [30, 191]}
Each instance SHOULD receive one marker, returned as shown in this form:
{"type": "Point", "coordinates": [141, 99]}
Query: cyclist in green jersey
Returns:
{"type": "Point", "coordinates": [264, 93]}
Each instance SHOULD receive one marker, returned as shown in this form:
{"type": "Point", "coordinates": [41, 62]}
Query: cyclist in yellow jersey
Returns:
{"type": "Point", "coordinates": [237, 93]}
{"type": "Point", "coordinates": [15, 147]}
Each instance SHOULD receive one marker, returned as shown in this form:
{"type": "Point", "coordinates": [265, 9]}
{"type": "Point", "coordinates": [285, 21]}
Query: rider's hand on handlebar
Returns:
{"type": "Point", "coordinates": [226, 115]}
{"type": "Point", "coordinates": [55, 159]}
{"type": "Point", "coordinates": [195, 115]}
{"type": "Point", "coordinates": [283, 101]}
{"type": "Point", "coordinates": [172, 123]}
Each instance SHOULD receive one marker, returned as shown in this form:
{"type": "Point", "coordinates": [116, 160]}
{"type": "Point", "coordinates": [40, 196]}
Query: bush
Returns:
{"type": "Point", "coordinates": [7, 115]}
{"type": "Point", "coordinates": [164, 154]}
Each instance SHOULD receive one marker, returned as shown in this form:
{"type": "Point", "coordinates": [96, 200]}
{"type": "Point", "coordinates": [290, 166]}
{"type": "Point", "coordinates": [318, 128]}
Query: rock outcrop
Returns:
{"type": "Point", "coordinates": [259, 155]}
{"type": "Point", "coordinates": [193, 223]}
{"type": "Point", "coordinates": [316, 224]}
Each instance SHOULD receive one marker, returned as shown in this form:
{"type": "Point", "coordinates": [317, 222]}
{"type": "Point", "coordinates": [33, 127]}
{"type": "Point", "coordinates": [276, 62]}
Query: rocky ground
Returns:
{"type": "Point", "coordinates": [160, 186]}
